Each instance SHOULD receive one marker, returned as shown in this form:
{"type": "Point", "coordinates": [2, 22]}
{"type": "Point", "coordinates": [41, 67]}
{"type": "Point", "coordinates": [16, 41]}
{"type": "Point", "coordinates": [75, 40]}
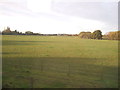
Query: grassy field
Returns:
{"type": "Point", "coordinates": [59, 62]}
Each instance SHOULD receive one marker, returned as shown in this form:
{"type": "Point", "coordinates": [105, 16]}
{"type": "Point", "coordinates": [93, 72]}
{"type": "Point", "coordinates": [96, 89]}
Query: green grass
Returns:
{"type": "Point", "coordinates": [59, 62]}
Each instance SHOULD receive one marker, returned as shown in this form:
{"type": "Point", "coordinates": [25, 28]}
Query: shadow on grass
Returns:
{"type": "Point", "coordinates": [12, 42]}
{"type": "Point", "coordinates": [10, 52]}
{"type": "Point", "coordinates": [48, 70]}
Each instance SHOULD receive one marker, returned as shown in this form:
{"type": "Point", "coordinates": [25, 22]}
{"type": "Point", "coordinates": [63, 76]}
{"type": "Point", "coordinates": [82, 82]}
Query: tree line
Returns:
{"type": "Point", "coordinates": [8, 31]}
{"type": "Point", "coordinates": [113, 35]}
{"type": "Point", "coordinates": [88, 35]}
{"type": "Point", "coordinates": [97, 34]}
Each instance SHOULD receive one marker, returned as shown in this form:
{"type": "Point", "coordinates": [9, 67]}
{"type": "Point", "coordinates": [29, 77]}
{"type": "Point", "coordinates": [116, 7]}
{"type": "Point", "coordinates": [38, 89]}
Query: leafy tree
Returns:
{"type": "Point", "coordinates": [15, 32]}
{"type": "Point", "coordinates": [0, 32]}
{"type": "Point", "coordinates": [86, 35]}
{"type": "Point", "coordinates": [97, 34]}
{"type": "Point", "coordinates": [6, 31]}
{"type": "Point", "coordinates": [113, 35]}
{"type": "Point", "coordinates": [20, 33]}
{"type": "Point", "coordinates": [29, 33]}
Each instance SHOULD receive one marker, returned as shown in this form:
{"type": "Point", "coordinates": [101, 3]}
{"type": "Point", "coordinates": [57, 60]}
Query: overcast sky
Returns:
{"type": "Point", "coordinates": [59, 16]}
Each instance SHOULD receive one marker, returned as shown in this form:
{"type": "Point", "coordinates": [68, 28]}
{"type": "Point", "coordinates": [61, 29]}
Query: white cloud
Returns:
{"type": "Point", "coordinates": [42, 19]}
{"type": "Point", "coordinates": [86, 0]}
{"type": "Point", "coordinates": [39, 5]}
{"type": "Point", "coordinates": [45, 24]}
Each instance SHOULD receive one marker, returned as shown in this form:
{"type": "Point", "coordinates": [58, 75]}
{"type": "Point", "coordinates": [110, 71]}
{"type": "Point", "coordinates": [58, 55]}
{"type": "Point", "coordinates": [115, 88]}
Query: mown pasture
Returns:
{"type": "Point", "coordinates": [58, 62]}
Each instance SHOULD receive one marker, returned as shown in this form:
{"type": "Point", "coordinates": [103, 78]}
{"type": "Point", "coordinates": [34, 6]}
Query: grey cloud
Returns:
{"type": "Point", "coordinates": [102, 11]}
